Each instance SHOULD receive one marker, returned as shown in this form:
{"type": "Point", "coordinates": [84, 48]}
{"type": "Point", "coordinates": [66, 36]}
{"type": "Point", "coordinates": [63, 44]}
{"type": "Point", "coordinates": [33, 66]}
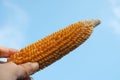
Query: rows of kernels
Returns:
{"type": "Point", "coordinates": [55, 46]}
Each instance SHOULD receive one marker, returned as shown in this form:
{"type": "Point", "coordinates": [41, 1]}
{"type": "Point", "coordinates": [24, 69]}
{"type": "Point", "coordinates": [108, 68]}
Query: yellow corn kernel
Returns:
{"type": "Point", "coordinates": [55, 46]}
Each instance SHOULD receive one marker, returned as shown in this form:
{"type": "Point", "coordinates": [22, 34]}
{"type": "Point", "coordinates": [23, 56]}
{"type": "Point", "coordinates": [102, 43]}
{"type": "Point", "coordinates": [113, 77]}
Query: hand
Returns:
{"type": "Point", "coordinates": [11, 71]}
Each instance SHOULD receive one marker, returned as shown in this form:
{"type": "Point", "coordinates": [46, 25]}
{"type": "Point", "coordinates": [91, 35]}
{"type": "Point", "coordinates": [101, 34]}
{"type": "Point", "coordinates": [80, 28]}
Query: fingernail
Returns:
{"type": "Point", "coordinates": [14, 50]}
{"type": "Point", "coordinates": [35, 66]}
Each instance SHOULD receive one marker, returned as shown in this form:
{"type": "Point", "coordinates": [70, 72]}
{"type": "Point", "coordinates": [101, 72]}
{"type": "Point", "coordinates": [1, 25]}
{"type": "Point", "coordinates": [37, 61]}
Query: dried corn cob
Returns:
{"type": "Point", "coordinates": [55, 46]}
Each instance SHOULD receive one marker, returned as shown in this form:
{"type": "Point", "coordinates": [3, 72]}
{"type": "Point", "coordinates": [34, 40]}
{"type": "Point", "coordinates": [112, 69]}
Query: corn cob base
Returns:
{"type": "Point", "coordinates": [55, 46]}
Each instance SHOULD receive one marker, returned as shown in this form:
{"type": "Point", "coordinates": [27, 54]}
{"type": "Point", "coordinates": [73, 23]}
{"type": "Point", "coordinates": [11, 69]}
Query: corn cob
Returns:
{"type": "Point", "coordinates": [55, 46]}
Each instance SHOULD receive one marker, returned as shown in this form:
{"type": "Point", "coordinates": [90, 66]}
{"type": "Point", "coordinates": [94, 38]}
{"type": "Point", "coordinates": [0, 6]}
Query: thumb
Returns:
{"type": "Point", "coordinates": [27, 69]}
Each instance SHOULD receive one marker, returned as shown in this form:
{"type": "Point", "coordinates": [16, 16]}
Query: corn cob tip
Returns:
{"type": "Point", "coordinates": [95, 22]}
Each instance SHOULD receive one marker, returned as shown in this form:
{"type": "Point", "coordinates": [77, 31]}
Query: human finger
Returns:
{"type": "Point", "coordinates": [6, 52]}
{"type": "Point", "coordinates": [27, 69]}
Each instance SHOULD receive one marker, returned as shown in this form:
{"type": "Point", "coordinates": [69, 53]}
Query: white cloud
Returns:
{"type": "Point", "coordinates": [11, 33]}
{"type": "Point", "coordinates": [11, 37]}
{"type": "Point", "coordinates": [113, 2]}
{"type": "Point", "coordinates": [115, 22]}
{"type": "Point", "coordinates": [116, 26]}
{"type": "Point", "coordinates": [117, 12]}
{"type": "Point", "coordinates": [17, 16]}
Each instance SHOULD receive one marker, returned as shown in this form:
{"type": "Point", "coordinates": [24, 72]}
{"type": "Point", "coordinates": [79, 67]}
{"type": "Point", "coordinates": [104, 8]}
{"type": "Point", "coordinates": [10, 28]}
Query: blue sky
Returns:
{"type": "Point", "coordinates": [25, 21]}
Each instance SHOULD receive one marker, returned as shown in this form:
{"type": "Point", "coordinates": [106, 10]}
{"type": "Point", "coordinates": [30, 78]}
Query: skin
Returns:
{"type": "Point", "coordinates": [11, 71]}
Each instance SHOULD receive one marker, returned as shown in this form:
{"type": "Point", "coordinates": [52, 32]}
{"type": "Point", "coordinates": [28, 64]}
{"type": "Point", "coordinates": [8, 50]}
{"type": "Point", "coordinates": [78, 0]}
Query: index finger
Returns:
{"type": "Point", "coordinates": [6, 52]}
